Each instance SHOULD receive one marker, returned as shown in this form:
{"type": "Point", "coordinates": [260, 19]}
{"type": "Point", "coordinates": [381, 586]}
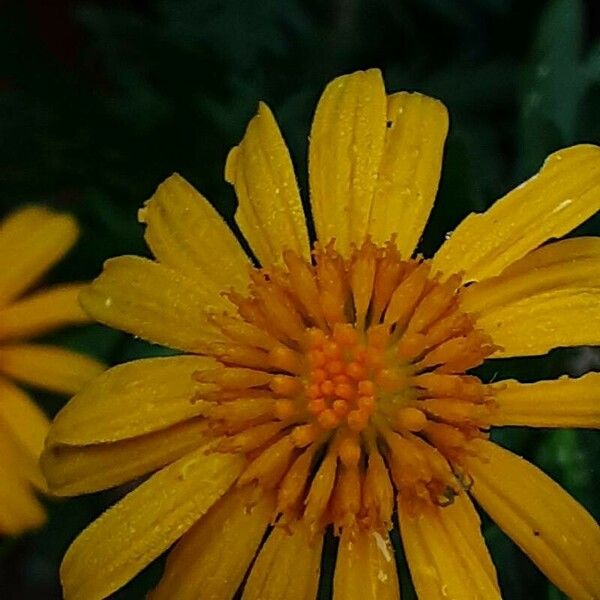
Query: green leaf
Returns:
{"type": "Point", "coordinates": [555, 81]}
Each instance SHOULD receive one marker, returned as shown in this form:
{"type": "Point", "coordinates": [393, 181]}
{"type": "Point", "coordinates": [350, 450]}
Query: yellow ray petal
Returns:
{"type": "Point", "coordinates": [535, 325]}
{"type": "Point", "coordinates": [18, 459]}
{"type": "Point", "coordinates": [187, 234]}
{"type": "Point", "coordinates": [554, 530]}
{"type": "Point", "coordinates": [49, 367]}
{"type": "Point", "coordinates": [19, 508]}
{"type": "Point", "coordinates": [287, 567]}
{"type": "Point", "coordinates": [410, 169]}
{"type": "Point", "coordinates": [26, 421]}
{"type": "Point", "coordinates": [572, 264]}
{"type": "Point", "coordinates": [211, 559]}
{"type": "Point", "coordinates": [130, 400]}
{"type": "Point", "coordinates": [562, 195]}
{"type": "Point", "coordinates": [269, 213]}
{"type": "Point", "coordinates": [145, 523]}
{"type": "Point", "coordinates": [535, 304]}
{"type": "Point", "coordinates": [31, 241]}
{"type": "Point", "coordinates": [154, 302]}
{"type": "Point", "coordinates": [74, 470]}
{"type": "Point", "coordinates": [446, 553]}
{"type": "Point", "coordinates": [465, 517]}
{"type": "Point", "coordinates": [562, 403]}
{"type": "Point", "coordinates": [561, 251]}
{"type": "Point", "coordinates": [346, 146]}
{"type": "Point", "coordinates": [42, 312]}
{"type": "Point", "coordinates": [365, 568]}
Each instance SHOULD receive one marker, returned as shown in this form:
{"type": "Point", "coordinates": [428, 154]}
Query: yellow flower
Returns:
{"type": "Point", "coordinates": [32, 240]}
{"type": "Point", "coordinates": [330, 388]}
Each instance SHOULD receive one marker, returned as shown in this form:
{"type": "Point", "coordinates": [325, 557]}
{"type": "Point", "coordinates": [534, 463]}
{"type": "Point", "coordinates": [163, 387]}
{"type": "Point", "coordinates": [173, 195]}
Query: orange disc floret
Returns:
{"type": "Point", "coordinates": [364, 356]}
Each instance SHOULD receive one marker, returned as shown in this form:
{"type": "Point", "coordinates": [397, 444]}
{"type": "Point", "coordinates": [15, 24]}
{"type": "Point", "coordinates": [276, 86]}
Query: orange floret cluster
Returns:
{"type": "Point", "coordinates": [344, 383]}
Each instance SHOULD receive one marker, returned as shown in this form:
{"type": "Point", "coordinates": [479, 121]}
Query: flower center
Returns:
{"type": "Point", "coordinates": [340, 383]}
{"type": "Point", "coordinates": [343, 381]}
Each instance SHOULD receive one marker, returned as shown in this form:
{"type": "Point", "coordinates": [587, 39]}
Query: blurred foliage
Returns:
{"type": "Point", "coordinates": [100, 101]}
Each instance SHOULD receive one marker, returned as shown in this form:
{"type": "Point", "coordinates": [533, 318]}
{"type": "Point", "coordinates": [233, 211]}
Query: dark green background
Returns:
{"type": "Point", "coordinates": [101, 101]}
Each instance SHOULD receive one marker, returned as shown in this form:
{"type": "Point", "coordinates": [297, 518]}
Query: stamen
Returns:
{"type": "Point", "coordinates": [282, 313]}
{"type": "Point", "coordinates": [285, 409]}
{"type": "Point", "coordinates": [305, 287]}
{"type": "Point", "coordinates": [283, 385]}
{"type": "Point", "coordinates": [251, 438]}
{"type": "Point", "coordinates": [303, 435]}
{"type": "Point", "coordinates": [346, 499]}
{"type": "Point", "coordinates": [349, 451]}
{"type": "Point", "coordinates": [243, 409]}
{"type": "Point", "coordinates": [406, 297]}
{"type": "Point", "coordinates": [286, 359]}
{"type": "Point", "coordinates": [389, 271]}
{"type": "Point", "coordinates": [244, 332]}
{"type": "Point", "coordinates": [293, 484]}
{"type": "Point", "coordinates": [270, 465]}
{"type": "Point", "coordinates": [378, 493]}
{"type": "Point", "coordinates": [243, 356]}
{"type": "Point", "coordinates": [331, 279]}
{"type": "Point", "coordinates": [411, 419]}
{"type": "Point", "coordinates": [362, 276]}
{"type": "Point", "coordinates": [233, 378]}
{"type": "Point", "coordinates": [320, 490]}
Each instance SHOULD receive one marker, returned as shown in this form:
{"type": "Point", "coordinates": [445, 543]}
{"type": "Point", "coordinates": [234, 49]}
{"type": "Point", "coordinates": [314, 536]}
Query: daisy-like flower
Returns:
{"type": "Point", "coordinates": [328, 388]}
{"type": "Point", "coordinates": [32, 240]}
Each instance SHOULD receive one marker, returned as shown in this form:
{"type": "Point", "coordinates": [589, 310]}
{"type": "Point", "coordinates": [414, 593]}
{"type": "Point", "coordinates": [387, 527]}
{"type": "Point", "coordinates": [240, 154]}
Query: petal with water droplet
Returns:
{"type": "Point", "coordinates": [564, 402]}
{"type": "Point", "coordinates": [136, 530]}
{"type": "Point", "coordinates": [560, 197]}
{"type": "Point", "coordinates": [131, 399]}
{"type": "Point", "coordinates": [346, 146]}
{"type": "Point", "coordinates": [551, 527]}
{"type": "Point", "coordinates": [155, 302]}
{"type": "Point", "coordinates": [287, 566]}
{"type": "Point", "coordinates": [446, 554]}
{"type": "Point", "coordinates": [270, 213]}
{"type": "Point", "coordinates": [365, 567]}
{"type": "Point", "coordinates": [211, 559]}
{"type": "Point", "coordinates": [409, 171]}
{"type": "Point", "coordinates": [187, 234]}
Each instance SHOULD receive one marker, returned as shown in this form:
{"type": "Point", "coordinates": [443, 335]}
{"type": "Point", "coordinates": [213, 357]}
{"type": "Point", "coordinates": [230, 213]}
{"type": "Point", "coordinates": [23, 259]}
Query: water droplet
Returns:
{"type": "Point", "coordinates": [382, 576]}
{"type": "Point", "coordinates": [563, 205]}
{"type": "Point", "coordinates": [382, 546]}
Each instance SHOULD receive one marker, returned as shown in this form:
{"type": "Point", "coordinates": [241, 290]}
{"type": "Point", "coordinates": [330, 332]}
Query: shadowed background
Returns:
{"type": "Point", "coordinates": [100, 101]}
